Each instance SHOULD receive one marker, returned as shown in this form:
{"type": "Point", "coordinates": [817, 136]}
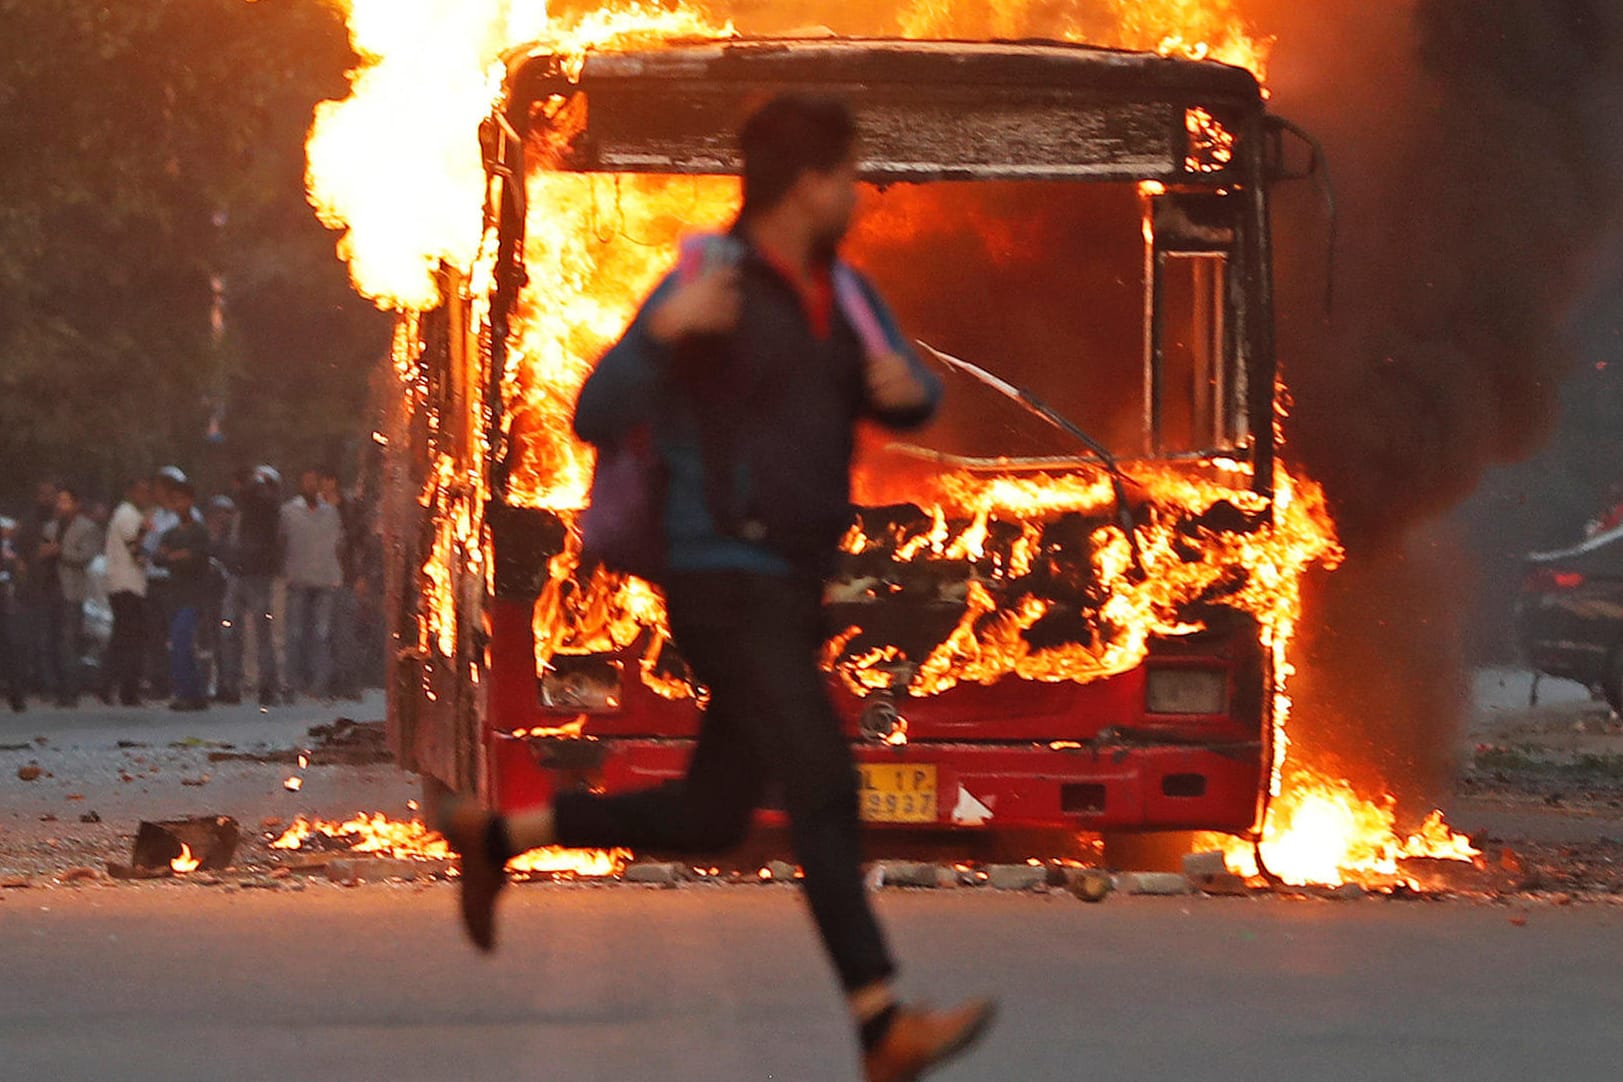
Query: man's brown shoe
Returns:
{"type": "Point", "coordinates": [919, 1040]}
{"type": "Point", "coordinates": [466, 827]}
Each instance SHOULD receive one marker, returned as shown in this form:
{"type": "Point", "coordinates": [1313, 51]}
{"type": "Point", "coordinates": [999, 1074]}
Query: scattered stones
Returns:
{"type": "Point", "coordinates": [1346, 892]}
{"type": "Point", "coordinates": [1092, 885]}
{"type": "Point", "coordinates": [377, 869]}
{"type": "Point", "coordinates": [1221, 884]}
{"type": "Point", "coordinates": [663, 875]}
{"type": "Point", "coordinates": [782, 871]}
{"type": "Point", "coordinates": [90, 817]}
{"type": "Point", "coordinates": [1017, 876]}
{"type": "Point", "coordinates": [29, 772]}
{"type": "Point", "coordinates": [1160, 884]}
{"type": "Point", "coordinates": [79, 875]}
{"type": "Point", "coordinates": [127, 871]}
{"type": "Point", "coordinates": [1457, 876]}
{"type": "Point", "coordinates": [17, 882]}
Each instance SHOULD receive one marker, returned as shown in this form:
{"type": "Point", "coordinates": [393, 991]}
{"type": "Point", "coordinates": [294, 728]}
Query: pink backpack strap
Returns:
{"type": "Point", "coordinates": [693, 253]}
{"type": "Point", "coordinates": [859, 311]}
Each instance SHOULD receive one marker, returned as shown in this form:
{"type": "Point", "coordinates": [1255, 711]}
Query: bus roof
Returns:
{"type": "Point", "coordinates": [929, 110]}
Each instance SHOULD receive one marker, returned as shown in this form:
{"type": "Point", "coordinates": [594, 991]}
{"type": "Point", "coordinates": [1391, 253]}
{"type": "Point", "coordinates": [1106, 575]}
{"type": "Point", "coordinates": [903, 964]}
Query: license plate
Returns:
{"type": "Point", "coordinates": [898, 793]}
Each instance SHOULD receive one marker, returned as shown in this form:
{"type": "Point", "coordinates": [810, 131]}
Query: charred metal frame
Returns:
{"type": "Point", "coordinates": [930, 111]}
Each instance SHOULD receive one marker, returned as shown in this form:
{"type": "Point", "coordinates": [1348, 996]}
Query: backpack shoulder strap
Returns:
{"type": "Point", "coordinates": [859, 311]}
{"type": "Point", "coordinates": [695, 252]}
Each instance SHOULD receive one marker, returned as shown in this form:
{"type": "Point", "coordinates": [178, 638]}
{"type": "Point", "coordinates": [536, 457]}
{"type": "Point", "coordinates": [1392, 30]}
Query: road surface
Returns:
{"type": "Point", "coordinates": [714, 983]}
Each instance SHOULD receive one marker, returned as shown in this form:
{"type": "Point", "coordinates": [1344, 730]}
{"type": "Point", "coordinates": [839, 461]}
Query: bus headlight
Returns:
{"type": "Point", "coordinates": [581, 685]}
{"type": "Point", "coordinates": [1186, 691]}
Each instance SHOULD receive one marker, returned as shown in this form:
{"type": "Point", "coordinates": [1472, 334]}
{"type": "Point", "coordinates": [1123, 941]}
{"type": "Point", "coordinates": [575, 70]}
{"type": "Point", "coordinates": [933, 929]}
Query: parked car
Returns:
{"type": "Point", "coordinates": [1569, 617]}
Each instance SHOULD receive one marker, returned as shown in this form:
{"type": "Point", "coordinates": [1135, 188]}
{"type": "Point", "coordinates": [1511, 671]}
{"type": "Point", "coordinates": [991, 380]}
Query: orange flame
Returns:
{"type": "Point", "coordinates": [412, 840]}
{"type": "Point", "coordinates": [185, 862]}
{"type": "Point", "coordinates": [1320, 830]}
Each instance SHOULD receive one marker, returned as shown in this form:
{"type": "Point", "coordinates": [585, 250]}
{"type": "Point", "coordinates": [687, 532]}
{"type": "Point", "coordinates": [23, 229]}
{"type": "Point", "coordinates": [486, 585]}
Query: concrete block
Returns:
{"type": "Point", "coordinates": [1156, 883]}
{"type": "Point", "coordinates": [377, 869]}
{"type": "Point", "coordinates": [1017, 876]}
{"type": "Point", "coordinates": [1196, 865]}
{"type": "Point", "coordinates": [896, 873]}
{"type": "Point", "coordinates": [664, 875]}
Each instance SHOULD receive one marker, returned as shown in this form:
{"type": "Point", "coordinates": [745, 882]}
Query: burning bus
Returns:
{"type": "Point", "coordinates": [1068, 607]}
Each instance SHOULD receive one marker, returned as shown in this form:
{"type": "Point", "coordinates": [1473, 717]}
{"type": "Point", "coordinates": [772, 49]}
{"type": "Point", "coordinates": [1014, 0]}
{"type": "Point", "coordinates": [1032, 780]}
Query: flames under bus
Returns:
{"type": "Point", "coordinates": [1012, 643]}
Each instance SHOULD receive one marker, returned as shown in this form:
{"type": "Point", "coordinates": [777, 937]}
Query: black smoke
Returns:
{"type": "Point", "coordinates": [1479, 163]}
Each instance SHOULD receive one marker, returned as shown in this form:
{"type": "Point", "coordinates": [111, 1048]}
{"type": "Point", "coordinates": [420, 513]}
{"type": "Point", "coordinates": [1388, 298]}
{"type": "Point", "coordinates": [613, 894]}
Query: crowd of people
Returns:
{"type": "Point", "coordinates": [252, 592]}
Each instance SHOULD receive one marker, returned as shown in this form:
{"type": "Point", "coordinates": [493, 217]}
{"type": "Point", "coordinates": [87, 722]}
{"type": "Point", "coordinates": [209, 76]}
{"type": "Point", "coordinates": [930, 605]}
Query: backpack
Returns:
{"type": "Point", "coordinates": [623, 526]}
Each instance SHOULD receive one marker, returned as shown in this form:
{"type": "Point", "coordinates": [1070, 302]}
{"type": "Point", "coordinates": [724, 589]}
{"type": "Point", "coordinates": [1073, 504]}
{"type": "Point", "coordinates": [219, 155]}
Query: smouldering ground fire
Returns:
{"type": "Point", "coordinates": [411, 840]}
{"type": "Point", "coordinates": [410, 208]}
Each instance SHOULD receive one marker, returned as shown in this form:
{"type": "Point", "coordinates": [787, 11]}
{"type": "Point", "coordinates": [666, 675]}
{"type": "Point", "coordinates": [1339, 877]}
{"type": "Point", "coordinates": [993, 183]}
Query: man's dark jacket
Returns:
{"type": "Point", "coordinates": [756, 428]}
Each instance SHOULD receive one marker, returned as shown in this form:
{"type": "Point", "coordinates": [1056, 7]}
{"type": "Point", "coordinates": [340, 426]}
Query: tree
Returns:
{"type": "Point", "coordinates": [152, 152]}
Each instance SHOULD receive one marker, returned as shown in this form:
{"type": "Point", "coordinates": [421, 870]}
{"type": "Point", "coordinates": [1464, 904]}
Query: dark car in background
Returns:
{"type": "Point", "coordinates": [1569, 617]}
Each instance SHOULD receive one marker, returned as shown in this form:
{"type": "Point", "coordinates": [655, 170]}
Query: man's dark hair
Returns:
{"type": "Point", "coordinates": [791, 135]}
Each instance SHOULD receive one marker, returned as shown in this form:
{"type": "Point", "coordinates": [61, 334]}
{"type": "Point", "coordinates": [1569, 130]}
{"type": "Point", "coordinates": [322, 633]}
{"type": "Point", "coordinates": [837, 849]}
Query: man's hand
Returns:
{"type": "Point", "coordinates": [710, 304]}
{"type": "Point", "coordinates": [892, 384]}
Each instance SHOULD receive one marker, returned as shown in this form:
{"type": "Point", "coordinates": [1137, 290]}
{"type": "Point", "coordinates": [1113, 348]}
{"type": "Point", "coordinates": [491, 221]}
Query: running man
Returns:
{"type": "Point", "coordinates": [753, 376]}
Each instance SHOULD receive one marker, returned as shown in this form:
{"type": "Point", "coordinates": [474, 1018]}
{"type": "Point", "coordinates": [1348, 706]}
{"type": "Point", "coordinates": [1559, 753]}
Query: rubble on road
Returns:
{"type": "Point", "coordinates": [209, 841]}
{"type": "Point", "coordinates": [374, 869]}
{"type": "Point", "coordinates": [664, 875]}
{"type": "Point", "coordinates": [345, 742]}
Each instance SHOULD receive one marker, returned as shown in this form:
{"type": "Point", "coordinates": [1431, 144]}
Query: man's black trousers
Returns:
{"type": "Point", "coordinates": [754, 640]}
{"type": "Point", "coordinates": [123, 675]}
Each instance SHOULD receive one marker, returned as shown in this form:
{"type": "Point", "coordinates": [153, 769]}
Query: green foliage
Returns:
{"type": "Point", "coordinates": [149, 148]}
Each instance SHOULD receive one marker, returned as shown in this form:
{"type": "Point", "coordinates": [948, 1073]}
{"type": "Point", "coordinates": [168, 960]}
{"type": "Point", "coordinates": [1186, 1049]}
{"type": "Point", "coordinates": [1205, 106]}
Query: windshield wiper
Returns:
{"type": "Point", "coordinates": [1119, 480]}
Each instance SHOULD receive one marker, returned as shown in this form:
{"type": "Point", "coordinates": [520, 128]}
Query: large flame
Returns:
{"type": "Point", "coordinates": [397, 166]}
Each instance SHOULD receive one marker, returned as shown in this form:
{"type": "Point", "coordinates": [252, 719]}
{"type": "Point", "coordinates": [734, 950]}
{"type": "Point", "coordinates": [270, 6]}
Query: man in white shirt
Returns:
{"type": "Point", "coordinates": [127, 591]}
{"type": "Point", "coordinates": [311, 532]}
{"type": "Point", "coordinates": [155, 648]}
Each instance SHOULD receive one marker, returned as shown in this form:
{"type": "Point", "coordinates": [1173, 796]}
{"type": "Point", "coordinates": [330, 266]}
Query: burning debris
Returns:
{"type": "Point", "coordinates": [412, 840]}
{"type": "Point", "coordinates": [179, 847]}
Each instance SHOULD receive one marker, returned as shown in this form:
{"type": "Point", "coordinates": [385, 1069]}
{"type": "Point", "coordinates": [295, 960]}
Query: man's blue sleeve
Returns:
{"type": "Point", "coordinates": [623, 391]}
{"type": "Point", "coordinates": [915, 417]}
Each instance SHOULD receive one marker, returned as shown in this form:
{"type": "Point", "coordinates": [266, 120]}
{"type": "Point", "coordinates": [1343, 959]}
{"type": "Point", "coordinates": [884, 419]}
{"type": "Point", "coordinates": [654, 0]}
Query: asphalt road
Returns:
{"type": "Point", "coordinates": [180, 982]}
